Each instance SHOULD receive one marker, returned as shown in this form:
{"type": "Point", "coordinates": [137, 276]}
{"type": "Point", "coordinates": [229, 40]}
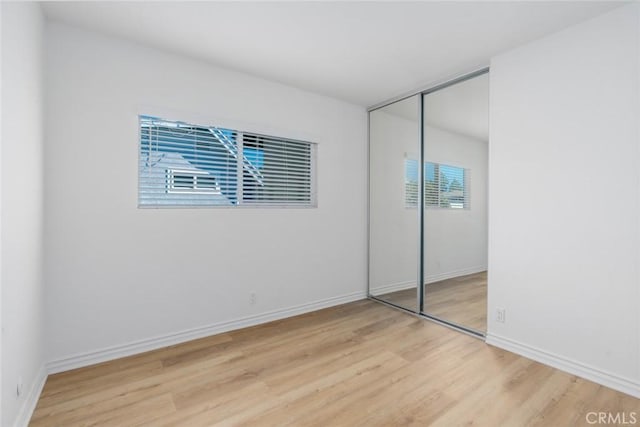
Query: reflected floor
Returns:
{"type": "Point", "coordinates": [461, 300]}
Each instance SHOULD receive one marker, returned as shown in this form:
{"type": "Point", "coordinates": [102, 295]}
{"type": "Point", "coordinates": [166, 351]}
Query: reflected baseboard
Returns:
{"type": "Point", "coordinates": [403, 286]}
{"type": "Point", "coordinates": [453, 274]}
{"type": "Point", "coordinates": [393, 287]}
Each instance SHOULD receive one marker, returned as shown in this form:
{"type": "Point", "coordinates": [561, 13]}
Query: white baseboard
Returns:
{"type": "Point", "coordinates": [136, 347]}
{"type": "Point", "coordinates": [31, 399]}
{"type": "Point", "coordinates": [573, 367]}
{"type": "Point", "coordinates": [393, 287]}
{"type": "Point", "coordinates": [451, 274]}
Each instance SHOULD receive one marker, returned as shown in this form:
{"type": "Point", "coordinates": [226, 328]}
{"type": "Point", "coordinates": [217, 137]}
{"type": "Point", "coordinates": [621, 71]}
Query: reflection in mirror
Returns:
{"type": "Point", "coordinates": [456, 135]}
{"type": "Point", "coordinates": [394, 148]}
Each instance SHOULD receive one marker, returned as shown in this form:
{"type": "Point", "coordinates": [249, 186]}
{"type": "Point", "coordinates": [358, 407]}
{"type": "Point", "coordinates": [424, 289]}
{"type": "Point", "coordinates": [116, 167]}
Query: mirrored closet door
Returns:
{"type": "Point", "coordinates": [428, 172]}
{"type": "Point", "coordinates": [394, 148]}
{"type": "Point", "coordinates": [456, 139]}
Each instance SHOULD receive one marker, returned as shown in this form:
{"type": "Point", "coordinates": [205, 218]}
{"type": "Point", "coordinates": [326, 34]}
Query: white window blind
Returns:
{"type": "Point", "coordinates": [444, 186]}
{"type": "Point", "coordinates": [411, 182]}
{"type": "Point", "coordinates": [183, 164]}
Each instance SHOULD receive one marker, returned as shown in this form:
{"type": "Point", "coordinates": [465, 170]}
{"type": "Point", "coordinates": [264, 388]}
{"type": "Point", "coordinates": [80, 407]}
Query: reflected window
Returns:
{"type": "Point", "coordinates": [445, 186]}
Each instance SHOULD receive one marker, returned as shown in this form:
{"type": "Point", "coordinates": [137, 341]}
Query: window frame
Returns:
{"type": "Point", "coordinates": [240, 203]}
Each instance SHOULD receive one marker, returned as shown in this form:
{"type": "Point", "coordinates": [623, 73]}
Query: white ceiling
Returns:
{"type": "Point", "coordinates": [362, 52]}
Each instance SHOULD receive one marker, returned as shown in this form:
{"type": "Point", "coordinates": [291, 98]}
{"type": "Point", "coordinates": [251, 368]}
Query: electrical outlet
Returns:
{"type": "Point", "coordinates": [19, 386]}
{"type": "Point", "coordinates": [252, 298]}
{"type": "Point", "coordinates": [501, 315]}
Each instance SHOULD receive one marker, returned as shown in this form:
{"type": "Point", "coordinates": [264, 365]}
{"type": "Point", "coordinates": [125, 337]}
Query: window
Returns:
{"type": "Point", "coordinates": [444, 186]}
{"type": "Point", "coordinates": [183, 164]}
{"type": "Point", "coordinates": [190, 181]}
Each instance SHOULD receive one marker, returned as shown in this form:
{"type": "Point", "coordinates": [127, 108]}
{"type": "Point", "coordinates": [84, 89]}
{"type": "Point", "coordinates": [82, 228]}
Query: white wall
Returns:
{"type": "Point", "coordinates": [118, 275]}
{"type": "Point", "coordinates": [564, 199]}
{"type": "Point", "coordinates": [1, 136]}
{"type": "Point", "coordinates": [22, 198]}
{"type": "Point", "coordinates": [455, 240]}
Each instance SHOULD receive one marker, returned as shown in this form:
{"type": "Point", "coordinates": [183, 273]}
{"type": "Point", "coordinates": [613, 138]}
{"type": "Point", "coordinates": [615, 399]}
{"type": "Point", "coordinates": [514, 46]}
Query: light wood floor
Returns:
{"type": "Point", "coordinates": [461, 300]}
{"type": "Point", "coordinates": [360, 364]}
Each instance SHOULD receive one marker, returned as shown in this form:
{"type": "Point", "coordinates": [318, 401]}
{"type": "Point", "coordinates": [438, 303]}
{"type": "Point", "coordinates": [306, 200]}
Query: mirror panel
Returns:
{"type": "Point", "coordinates": [456, 135]}
{"type": "Point", "coordinates": [394, 149]}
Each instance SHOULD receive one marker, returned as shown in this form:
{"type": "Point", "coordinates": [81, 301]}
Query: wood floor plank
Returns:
{"type": "Point", "coordinates": [359, 364]}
